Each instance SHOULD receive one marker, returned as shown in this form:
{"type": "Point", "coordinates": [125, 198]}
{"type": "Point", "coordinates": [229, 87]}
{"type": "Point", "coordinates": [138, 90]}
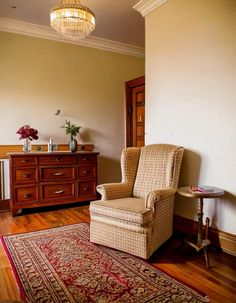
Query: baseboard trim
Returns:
{"type": "Point", "coordinates": [219, 238]}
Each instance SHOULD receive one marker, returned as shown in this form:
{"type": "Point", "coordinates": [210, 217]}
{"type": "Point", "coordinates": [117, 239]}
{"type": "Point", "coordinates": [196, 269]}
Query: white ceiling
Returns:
{"type": "Point", "coordinates": [116, 20]}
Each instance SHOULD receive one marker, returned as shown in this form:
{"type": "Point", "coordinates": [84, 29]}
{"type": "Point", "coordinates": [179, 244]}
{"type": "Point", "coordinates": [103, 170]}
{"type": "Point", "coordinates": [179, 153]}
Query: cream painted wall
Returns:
{"type": "Point", "coordinates": [39, 76]}
{"type": "Point", "coordinates": [191, 97]}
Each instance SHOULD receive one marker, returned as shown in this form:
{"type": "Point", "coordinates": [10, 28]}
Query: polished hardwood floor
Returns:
{"type": "Point", "coordinates": [174, 257]}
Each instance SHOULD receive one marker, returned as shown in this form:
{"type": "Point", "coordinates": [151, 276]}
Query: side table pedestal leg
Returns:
{"type": "Point", "coordinates": [206, 238]}
{"type": "Point", "coordinates": [206, 257]}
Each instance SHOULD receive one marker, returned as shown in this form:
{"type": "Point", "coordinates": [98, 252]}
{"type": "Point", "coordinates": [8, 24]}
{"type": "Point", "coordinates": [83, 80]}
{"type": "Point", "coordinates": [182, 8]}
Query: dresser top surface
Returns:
{"type": "Point", "coordinates": [54, 153]}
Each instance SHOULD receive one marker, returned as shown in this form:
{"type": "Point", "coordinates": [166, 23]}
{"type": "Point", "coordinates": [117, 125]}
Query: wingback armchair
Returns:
{"type": "Point", "coordinates": [136, 215]}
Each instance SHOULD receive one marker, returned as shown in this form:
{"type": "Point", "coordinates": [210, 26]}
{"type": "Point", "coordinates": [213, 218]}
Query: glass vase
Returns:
{"type": "Point", "coordinates": [27, 145]}
{"type": "Point", "coordinates": [73, 145]}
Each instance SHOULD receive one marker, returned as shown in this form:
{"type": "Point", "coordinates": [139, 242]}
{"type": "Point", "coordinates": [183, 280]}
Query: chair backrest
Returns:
{"type": "Point", "coordinates": [158, 167]}
{"type": "Point", "coordinates": [129, 164]}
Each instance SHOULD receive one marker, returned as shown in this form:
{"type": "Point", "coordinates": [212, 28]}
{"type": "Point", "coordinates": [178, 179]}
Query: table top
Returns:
{"type": "Point", "coordinates": [212, 193]}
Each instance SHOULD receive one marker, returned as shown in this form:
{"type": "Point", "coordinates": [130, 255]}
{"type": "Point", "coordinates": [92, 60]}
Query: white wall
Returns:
{"type": "Point", "coordinates": [191, 97]}
{"type": "Point", "coordinates": [39, 76]}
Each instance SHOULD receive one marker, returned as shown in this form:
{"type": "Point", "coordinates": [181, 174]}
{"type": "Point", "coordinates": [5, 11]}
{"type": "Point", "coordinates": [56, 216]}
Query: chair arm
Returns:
{"type": "Point", "coordinates": [159, 195]}
{"type": "Point", "coordinates": [110, 191]}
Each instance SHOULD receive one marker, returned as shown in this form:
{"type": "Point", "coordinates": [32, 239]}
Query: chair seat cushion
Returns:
{"type": "Point", "coordinates": [126, 209]}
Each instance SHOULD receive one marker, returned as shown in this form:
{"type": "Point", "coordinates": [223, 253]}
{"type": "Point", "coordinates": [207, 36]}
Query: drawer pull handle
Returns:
{"type": "Point", "coordinates": [25, 175]}
{"type": "Point", "coordinates": [58, 174]}
{"type": "Point", "coordinates": [85, 159]}
{"type": "Point", "coordinates": [85, 172]}
{"type": "Point", "coordinates": [58, 192]}
{"type": "Point", "coordinates": [86, 188]}
{"type": "Point", "coordinates": [58, 159]}
{"type": "Point", "coordinates": [24, 161]}
{"type": "Point", "coordinates": [27, 195]}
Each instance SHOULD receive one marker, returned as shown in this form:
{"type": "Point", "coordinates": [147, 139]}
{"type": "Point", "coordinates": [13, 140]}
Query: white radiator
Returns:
{"type": "Point", "coordinates": [4, 179]}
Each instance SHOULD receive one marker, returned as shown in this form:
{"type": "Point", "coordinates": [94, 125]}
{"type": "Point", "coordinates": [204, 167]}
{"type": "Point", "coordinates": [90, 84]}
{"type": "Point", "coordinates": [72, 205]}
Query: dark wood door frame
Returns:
{"type": "Point", "coordinates": [129, 86]}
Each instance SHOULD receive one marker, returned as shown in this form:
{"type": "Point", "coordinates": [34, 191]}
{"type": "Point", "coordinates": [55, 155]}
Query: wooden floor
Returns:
{"type": "Point", "coordinates": [174, 258]}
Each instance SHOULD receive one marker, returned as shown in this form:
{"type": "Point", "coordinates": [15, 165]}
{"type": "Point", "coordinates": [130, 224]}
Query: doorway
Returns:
{"type": "Point", "coordinates": [135, 112]}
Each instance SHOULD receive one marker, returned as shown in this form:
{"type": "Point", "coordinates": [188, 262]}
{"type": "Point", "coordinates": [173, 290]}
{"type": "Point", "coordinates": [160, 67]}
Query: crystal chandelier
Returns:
{"type": "Point", "coordinates": [72, 20]}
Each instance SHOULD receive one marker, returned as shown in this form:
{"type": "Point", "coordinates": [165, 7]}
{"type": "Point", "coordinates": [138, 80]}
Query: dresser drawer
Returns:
{"type": "Point", "coordinates": [57, 159]}
{"type": "Point", "coordinates": [56, 173]}
{"type": "Point", "coordinates": [51, 178]}
{"type": "Point", "coordinates": [26, 175]}
{"type": "Point", "coordinates": [24, 161]}
{"type": "Point", "coordinates": [87, 171]}
{"type": "Point", "coordinates": [57, 191]}
{"type": "Point", "coordinates": [86, 159]}
{"type": "Point", "coordinates": [87, 188]}
{"type": "Point", "coordinates": [26, 194]}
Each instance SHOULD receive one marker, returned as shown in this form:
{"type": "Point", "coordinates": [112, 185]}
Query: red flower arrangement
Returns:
{"type": "Point", "coordinates": [28, 132]}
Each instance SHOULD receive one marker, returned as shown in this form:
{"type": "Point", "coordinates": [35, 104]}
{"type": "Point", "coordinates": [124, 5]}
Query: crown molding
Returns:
{"type": "Point", "coordinates": [145, 7]}
{"type": "Point", "coordinates": [46, 32]}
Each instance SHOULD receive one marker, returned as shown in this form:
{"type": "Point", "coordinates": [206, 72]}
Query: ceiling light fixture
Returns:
{"type": "Point", "coordinates": [72, 20]}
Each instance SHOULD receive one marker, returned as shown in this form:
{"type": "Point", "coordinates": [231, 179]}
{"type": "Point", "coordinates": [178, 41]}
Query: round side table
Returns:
{"type": "Point", "coordinates": [210, 192]}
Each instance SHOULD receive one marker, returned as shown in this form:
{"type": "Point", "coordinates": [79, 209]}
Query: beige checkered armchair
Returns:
{"type": "Point", "coordinates": [136, 215]}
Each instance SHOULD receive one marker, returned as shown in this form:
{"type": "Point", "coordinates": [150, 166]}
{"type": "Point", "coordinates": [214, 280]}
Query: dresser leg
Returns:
{"type": "Point", "coordinates": [15, 211]}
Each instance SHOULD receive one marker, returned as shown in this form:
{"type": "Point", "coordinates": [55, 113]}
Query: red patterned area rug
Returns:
{"type": "Point", "coordinates": [61, 265]}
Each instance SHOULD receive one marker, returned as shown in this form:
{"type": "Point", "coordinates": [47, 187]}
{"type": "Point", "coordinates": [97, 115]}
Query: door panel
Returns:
{"type": "Point", "coordinates": [138, 115]}
{"type": "Point", "coordinates": [135, 112]}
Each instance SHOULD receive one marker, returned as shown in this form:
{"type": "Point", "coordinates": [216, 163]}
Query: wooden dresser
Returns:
{"type": "Point", "coordinates": [41, 178]}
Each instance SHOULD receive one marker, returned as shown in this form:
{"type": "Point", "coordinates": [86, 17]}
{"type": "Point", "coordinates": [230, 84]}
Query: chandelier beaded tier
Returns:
{"type": "Point", "coordinates": [72, 20]}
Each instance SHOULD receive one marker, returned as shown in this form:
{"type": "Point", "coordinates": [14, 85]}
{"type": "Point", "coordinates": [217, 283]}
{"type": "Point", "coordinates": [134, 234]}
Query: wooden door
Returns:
{"type": "Point", "coordinates": [135, 112]}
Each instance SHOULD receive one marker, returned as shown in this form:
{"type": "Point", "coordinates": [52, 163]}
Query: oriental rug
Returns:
{"type": "Point", "coordinates": [61, 265]}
